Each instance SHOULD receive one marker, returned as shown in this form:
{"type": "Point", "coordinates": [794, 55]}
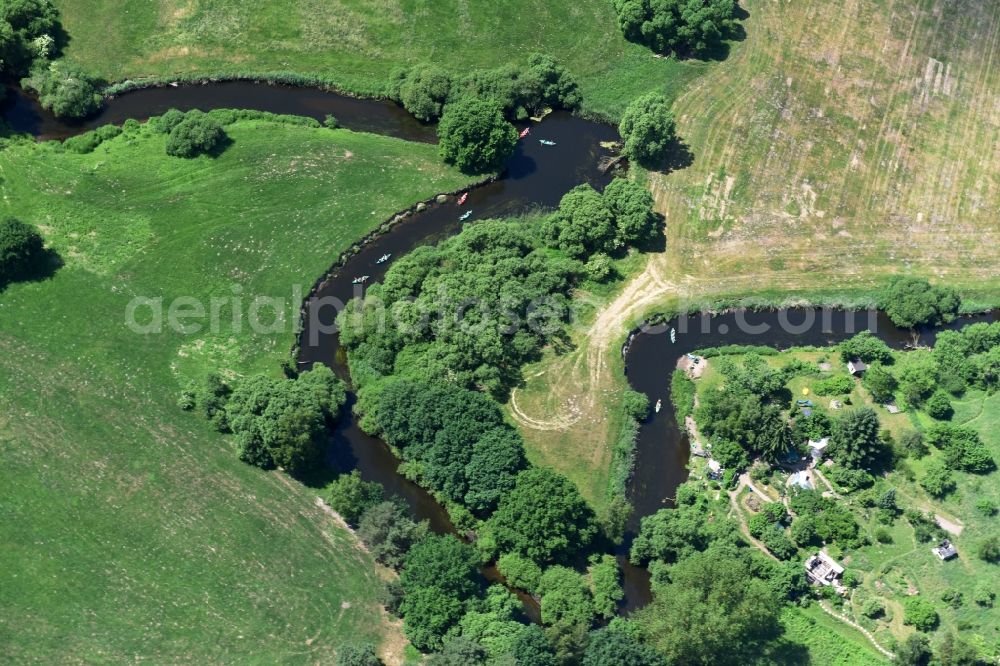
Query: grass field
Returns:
{"type": "Point", "coordinates": [838, 144]}
{"type": "Point", "coordinates": [825, 641]}
{"type": "Point", "coordinates": [131, 531]}
{"type": "Point", "coordinates": [356, 43]}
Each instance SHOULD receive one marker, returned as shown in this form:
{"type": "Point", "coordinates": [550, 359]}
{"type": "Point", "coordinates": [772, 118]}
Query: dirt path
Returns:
{"type": "Point", "coordinates": [734, 501]}
{"type": "Point", "coordinates": [851, 623]}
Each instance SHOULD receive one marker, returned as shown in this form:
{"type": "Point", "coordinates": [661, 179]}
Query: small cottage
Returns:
{"type": "Point", "coordinates": [856, 367]}
{"type": "Point", "coordinates": [821, 569]}
{"type": "Point", "coordinates": [945, 550]}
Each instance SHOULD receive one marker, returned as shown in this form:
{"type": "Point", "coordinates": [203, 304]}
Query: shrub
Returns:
{"type": "Point", "coordinates": [912, 444]}
{"type": "Point", "coordinates": [883, 535]}
{"type": "Point", "coordinates": [866, 347]}
{"type": "Point", "coordinates": [357, 655]}
{"type": "Point", "coordinates": [919, 613]}
{"type": "Point", "coordinates": [599, 267]}
{"type": "Point", "coordinates": [635, 405]}
{"type": "Point", "coordinates": [648, 130]}
{"type": "Point", "coordinates": [872, 608]}
{"type": "Point", "coordinates": [475, 137]}
{"type": "Point", "coordinates": [988, 550]}
{"type": "Point", "coordinates": [198, 133]}
{"type": "Point", "coordinates": [836, 385]}
{"type": "Point", "coordinates": [677, 26]}
{"type": "Point", "coordinates": [984, 595]}
{"type": "Point", "coordinates": [349, 496]}
{"type": "Point", "coordinates": [880, 384]}
{"type": "Point", "coordinates": [938, 480]}
{"type": "Point", "coordinates": [388, 532]}
{"type": "Point", "coordinates": [939, 407]}
{"type": "Point", "coordinates": [422, 90]}
{"type": "Point", "coordinates": [911, 302]}
{"type": "Point", "coordinates": [331, 122]}
{"type": "Point", "coordinates": [169, 120]}
{"type": "Point", "coordinates": [21, 247]}
{"type": "Point", "coordinates": [986, 506]}
{"type": "Point", "coordinates": [64, 89]}
{"type": "Point", "coordinates": [89, 141]}
{"type": "Point", "coordinates": [519, 571]}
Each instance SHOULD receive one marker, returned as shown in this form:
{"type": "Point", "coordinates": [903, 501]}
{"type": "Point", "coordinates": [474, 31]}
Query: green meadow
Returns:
{"type": "Point", "coordinates": [131, 531]}
{"type": "Point", "coordinates": [356, 43]}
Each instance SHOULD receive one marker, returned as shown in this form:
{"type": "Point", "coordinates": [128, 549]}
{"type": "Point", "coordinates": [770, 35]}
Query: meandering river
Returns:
{"type": "Point", "coordinates": [535, 177]}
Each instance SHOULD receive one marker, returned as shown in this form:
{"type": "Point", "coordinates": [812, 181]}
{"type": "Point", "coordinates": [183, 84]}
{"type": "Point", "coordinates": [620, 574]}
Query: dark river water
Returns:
{"type": "Point", "coordinates": [536, 177]}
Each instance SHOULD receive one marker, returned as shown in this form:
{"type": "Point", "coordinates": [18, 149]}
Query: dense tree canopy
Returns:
{"type": "Point", "coordinates": [284, 422]}
{"type": "Point", "coordinates": [464, 449]}
{"type": "Point", "coordinates": [611, 646]}
{"type": "Point", "coordinates": [520, 90]}
{"type": "Point", "coordinates": [475, 136]}
{"type": "Point", "coordinates": [21, 246]}
{"type": "Point", "coordinates": [422, 90]}
{"type": "Point", "coordinates": [388, 532]}
{"type": "Point", "coordinates": [648, 130]}
{"type": "Point", "coordinates": [543, 517]}
{"type": "Point", "coordinates": [64, 89]}
{"type": "Point", "coordinates": [867, 347]}
{"type": "Point", "coordinates": [711, 611]}
{"type": "Point", "coordinates": [438, 579]}
{"type": "Point", "coordinates": [684, 27]}
{"type": "Point", "coordinates": [589, 222]}
{"type": "Point", "coordinates": [855, 442]}
{"type": "Point", "coordinates": [670, 535]}
{"type": "Point", "coordinates": [29, 32]}
{"type": "Point", "coordinates": [911, 302]}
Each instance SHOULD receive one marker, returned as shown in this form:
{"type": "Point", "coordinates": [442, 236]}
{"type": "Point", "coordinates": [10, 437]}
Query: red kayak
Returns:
{"type": "Point", "coordinates": [461, 199]}
{"type": "Point", "coordinates": [524, 132]}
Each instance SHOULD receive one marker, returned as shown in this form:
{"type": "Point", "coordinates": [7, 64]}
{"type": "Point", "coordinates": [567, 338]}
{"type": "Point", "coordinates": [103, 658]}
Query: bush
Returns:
{"type": "Point", "coordinates": [866, 347]}
{"type": "Point", "coordinates": [988, 550]}
{"type": "Point", "coordinates": [938, 480]}
{"type": "Point", "coordinates": [648, 130]}
{"type": "Point", "coordinates": [519, 571]}
{"type": "Point", "coordinates": [984, 595]}
{"type": "Point", "coordinates": [677, 26]}
{"type": "Point", "coordinates": [919, 613]}
{"type": "Point", "coordinates": [986, 506]}
{"type": "Point", "coordinates": [169, 120]}
{"type": "Point", "coordinates": [475, 137]}
{"type": "Point", "coordinates": [89, 141]}
{"type": "Point", "coordinates": [883, 535]}
{"type": "Point", "coordinates": [939, 407]}
{"type": "Point", "coordinates": [64, 89]}
{"type": "Point", "coordinates": [349, 496]}
{"type": "Point", "coordinates": [880, 383]}
{"type": "Point", "coordinates": [836, 385]}
{"type": "Point", "coordinates": [422, 90]}
{"type": "Point", "coordinates": [198, 133]}
{"type": "Point", "coordinates": [357, 655]}
{"type": "Point", "coordinates": [911, 302]}
{"type": "Point", "coordinates": [21, 247]}
{"type": "Point", "coordinates": [388, 532]}
{"type": "Point", "coordinates": [331, 122]}
{"type": "Point", "coordinates": [912, 444]}
{"type": "Point", "coordinates": [872, 608]}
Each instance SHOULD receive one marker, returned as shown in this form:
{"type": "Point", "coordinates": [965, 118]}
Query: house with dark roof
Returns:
{"type": "Point", "coordinates": [856, 367]}
{"type": "Point", "coordinates": [945, 550]}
